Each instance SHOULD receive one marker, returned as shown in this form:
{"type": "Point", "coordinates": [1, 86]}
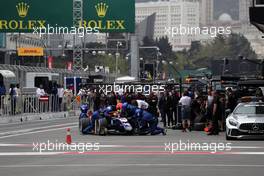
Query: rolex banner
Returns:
{"type": "Point", "coordinates": [24, 15]}
{"type": "Point", "coordinates": [109, 15]}
{"type": "Point", "coordinates": [100, 15]}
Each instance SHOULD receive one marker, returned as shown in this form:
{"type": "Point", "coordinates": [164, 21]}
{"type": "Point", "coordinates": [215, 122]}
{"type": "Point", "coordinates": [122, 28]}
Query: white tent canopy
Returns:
{"type": "Point", "coordinates": [7, 74]}
{"type": "Point", "coordinates": [125, 79]}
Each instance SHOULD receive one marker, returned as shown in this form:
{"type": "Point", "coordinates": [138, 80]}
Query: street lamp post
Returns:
{"type": "Point", "coordinates": [179, 74]}
{"type": "Point", "coordinates": [141, 68]}
{"type": "Point", "coordinates": [157, 66]}
{"type": "Point", "coordinates": [116, 59]}
{"type": "Point", "coordinates": [224, 66]}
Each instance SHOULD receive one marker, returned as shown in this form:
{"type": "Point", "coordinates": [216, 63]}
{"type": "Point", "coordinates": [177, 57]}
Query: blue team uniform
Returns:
{"type": "Point", "coordinates": [149, 122]}
{"type": "Point", "coordinates": [129, 109]}
{"type": "Point", "coordinates": [96, 115]}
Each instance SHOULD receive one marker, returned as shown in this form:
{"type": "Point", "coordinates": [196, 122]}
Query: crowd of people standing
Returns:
{"type": "Point", "coordinates": [172, 108]}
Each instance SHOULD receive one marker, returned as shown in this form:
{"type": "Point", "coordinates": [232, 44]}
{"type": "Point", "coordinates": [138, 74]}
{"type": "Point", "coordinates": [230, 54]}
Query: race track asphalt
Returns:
{"type": "Point", "coordinates": [26, 149]}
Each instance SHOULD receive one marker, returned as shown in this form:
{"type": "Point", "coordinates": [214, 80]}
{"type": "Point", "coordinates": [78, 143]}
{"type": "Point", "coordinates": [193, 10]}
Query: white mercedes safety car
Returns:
{"type": "Point", "coordinates": [246, 121]}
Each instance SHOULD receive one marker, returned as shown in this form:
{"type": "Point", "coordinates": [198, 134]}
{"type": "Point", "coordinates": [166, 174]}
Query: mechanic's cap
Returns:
{"type": "Point", "coordinates": [109, 108]}
{"type": "Point", "coordinates": [84, 107]}
{"type": "Point", "coordinates": [137, 111]}
{"type": "Point", "coordinates": [96, 113]}
{"type": "Point", "coordinates": [119, 106]}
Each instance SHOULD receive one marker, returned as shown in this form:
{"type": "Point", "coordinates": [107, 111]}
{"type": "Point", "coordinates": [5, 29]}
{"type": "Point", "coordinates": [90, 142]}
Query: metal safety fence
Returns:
{"type": "Point", "coordinates": [32, 104]}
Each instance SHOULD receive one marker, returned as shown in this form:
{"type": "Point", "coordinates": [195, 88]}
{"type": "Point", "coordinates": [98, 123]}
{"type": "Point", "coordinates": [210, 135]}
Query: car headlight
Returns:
{"type": "Point", "coordinates": [233, 122]}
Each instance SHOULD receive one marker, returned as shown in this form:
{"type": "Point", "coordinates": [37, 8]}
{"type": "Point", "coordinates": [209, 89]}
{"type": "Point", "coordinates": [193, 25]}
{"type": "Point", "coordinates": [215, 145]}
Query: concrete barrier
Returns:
{"type": "Point", "coordinates": [37, 117]}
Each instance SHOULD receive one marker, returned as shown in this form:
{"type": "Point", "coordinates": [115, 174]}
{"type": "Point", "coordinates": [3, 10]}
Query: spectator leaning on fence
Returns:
{"type": "Point", "coordinates": [68, 95]}
{"type": "Point", "coordinates": [2, 89]}
{"type": "Point", "coordinates": [12, 94]}
{"type": "Point", "coordinates": [209, 105]}
{"type": "Point", "coordinates": [185, 101]}
{"type": "Point", "coordinates": [162, 108]}
{"type": "Point", "coordinates": [18, 98]}
{"type": "Point", "coordinates": [54, 97]}
{"type": "Point", "coordinates": [216, 115]}
{"type": "Point", "coordinates": [176, 99]}
{"type": "Point", "coordinates": [169, 104]}
{"type": "Point", "coordinates": [81, 92]}
{"type": "Point", "coordinates": [60, 95]}
{"type": "Point", "coordinates": [40, 91]}
{"type": "Point", "coordinates": [90, 96]}
{"type": "Point", "coordinates": [2, 95]}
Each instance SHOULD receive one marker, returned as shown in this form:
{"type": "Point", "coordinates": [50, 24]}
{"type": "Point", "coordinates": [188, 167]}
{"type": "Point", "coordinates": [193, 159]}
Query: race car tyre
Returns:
{"type": "Point", "coordinates": [83, 123]}
{"type": "Point", "coordinates": [96, 128]}
{"type": "Point", "coordinates": [102, 124]}
{"type": "Point", "coordinates": [135, 126]}
{"type": "Point", "coordinates": [164, 132]}
{"type": "Point", "coordinates": [103, 131]}
{"type": "Point", "coordinates": [134, 131]}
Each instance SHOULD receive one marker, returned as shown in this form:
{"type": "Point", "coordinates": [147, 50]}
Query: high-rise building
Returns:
{"type": "Point", "coordinates": [244, 10]}
{"type": "Point", "coordinates": [206, 12]}
{"type": "Point", "coordinates": [248, 30]}
{"type": "Point", "coordinates": [169, 14]}
{"type": "Point", "coordinates": [146, 28]}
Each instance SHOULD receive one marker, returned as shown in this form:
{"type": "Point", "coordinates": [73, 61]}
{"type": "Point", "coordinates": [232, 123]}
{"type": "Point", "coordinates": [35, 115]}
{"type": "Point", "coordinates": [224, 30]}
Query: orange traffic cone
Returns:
{"type": "Point", "coordinates": [68, 136]}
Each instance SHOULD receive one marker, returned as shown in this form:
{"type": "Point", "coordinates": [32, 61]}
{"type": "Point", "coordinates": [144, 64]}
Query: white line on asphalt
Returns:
{"type": "Point", "coordinates": [77, 144]}
{"type": "Point", "coordinates": [15, 145]}
{"type": "Point", "coordinates": [29, 153]}
{"type": "Point", "coordinates": [122, 146]}
{"type": "Point", "coordinates": [109, 153]}
{"type": "Point", "coordinates": [246, 147]}
{"type": "Point", "coordinates": [33, 132]}
{"type": "Point", "coordinates": [32, 129]}
{"type": "Point", "coordinates": [132, 165]}
{"type": "Point", "coordinates": [35, 122]}
{"type": "Point", "coordinates": [247, 153]}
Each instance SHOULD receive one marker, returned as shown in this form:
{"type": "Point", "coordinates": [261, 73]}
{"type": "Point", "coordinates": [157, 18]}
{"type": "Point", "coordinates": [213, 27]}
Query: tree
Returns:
{"type": "Point", "coordinates": [239, 45]}
{"type": "Point", "coordinates": [148, 54]}
{"type": "Point", "coordinates": [165, 48]}
{"type": "Point", "coordinates": [221, 47]}
{"type": "Point", "coordinates": [194, 49]}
